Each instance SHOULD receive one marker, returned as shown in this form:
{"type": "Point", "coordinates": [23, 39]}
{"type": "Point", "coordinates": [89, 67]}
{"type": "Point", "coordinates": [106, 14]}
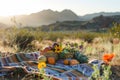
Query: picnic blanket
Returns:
{"type": "Point", "coordinates": [66, 72]}
{"type": "Point", "coordinates": [74, 72]}
{"type": "Point", "coordinates": [22, 60]}
{"type": "Point", "coordinates": [17, 58]}
{"type": "Point", "coordinates": [28, 62]}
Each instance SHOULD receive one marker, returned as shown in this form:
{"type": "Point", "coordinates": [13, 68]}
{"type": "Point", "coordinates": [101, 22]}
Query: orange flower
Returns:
{"type": "Point", "coordinates": [108, 57]}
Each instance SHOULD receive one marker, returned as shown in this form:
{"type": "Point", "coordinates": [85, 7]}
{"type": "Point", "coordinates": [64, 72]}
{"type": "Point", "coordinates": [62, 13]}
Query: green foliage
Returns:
{"type": "Point", "coordinates": [81, 57]}
{"type": "Point", "coordinates": [69, 51]}
{"type": "Point", "coordinates": [23, 38]}
{"type": "Point", "coordinates": [89, 37]}
{"type": "Point", "coordinates": [115, 30]}
{"type": "Point", "coordinates": [105, 73]}
{"type": "Point", "coordinates": [96, 73]}
{"type": "Point", "coordinates": [66, 53]}
{"type": "Point", "coordinates": [43, 76]}
{"type": "Point", "coordinates": [52, 36]}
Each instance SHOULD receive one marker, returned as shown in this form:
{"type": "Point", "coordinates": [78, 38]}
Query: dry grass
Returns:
{"type": "Point", "coordinates": [95, 49]}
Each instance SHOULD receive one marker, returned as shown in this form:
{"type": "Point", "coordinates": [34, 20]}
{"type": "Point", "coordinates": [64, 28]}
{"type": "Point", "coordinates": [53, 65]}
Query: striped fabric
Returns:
{"type": "Point", "coordinates": [76, 72]}
{"type": "Point", "coordinates": [28, 62]}
{"type": "Point", "coordinates": [23, 60]}
{"type": "Point", "coordinates": [17, 58]}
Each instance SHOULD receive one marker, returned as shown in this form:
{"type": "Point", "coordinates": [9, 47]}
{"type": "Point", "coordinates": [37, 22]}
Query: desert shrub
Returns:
{"type": "Point", "coordinates": [89, 37]}
{"type": "Point", "coordinates": [115, 30]}
{"type": "Point", "coordinates": [52, 36]}
{"type": "Point", "coordinates": [23, 39]}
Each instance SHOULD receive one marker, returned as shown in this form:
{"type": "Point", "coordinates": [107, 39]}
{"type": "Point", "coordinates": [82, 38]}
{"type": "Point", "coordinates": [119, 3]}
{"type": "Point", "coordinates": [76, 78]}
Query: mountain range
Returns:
{"type": "Point", "coordinates": [42, 18]}
{"type": "Point", "coordinates": [90, 16]}
{"type": "Point", "coordinates": [99, 23]}
{"type": "Point", "coordinates": [47, 17]}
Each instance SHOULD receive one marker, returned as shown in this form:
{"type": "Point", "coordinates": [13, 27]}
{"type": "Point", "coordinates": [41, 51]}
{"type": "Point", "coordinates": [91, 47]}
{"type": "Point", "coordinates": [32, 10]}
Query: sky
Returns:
{"type": "Point", "coordinates": [80, 7]}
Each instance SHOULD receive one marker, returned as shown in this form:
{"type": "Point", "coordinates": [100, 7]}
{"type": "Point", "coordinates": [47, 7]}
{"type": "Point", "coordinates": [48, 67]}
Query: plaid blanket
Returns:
{"type": "Point", "coordinates": [22, 60]}
{"type": "Point", "coordinates": [65, 72]}
{"type": "Point", "coordinates": [28, 62]}
{"type": "Point", "coordinates": [17, 58]}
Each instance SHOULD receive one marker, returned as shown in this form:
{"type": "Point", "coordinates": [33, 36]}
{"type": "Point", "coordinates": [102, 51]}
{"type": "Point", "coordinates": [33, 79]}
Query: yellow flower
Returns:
{"type": "Point", "coordinates": [58, 49]}
{"type": "Point", "coordinates": [41, 65]}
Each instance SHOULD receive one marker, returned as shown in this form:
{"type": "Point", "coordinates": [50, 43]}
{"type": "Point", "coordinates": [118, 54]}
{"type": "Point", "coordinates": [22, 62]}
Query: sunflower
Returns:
{"type": "Point", "coordinates": [58, 49]}
{"type": "Point", "coordinates": [41, 65]}
{"type": "Point", "coordinates": [108, 57]}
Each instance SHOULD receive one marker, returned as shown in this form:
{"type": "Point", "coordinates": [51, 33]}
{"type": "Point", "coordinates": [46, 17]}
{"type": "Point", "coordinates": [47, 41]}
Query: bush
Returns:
{"type": "Point", "coordinates": [115, 30]}
{"type": "Point", "coordinates": [23, 39]}
{"type": "Point", "coordinates": [89, 36]}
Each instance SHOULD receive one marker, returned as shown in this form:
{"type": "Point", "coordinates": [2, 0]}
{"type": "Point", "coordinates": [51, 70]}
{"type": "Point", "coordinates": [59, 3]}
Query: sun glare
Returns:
{"type": "Point", "coordinates": [80, 7]}
{"type": "Point", "coordinates": [17, 7]}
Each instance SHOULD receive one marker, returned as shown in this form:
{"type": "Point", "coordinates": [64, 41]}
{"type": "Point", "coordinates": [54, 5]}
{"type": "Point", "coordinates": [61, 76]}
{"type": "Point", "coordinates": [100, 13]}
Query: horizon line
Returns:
{"type": "Point", "coordinates": [59, 11]}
